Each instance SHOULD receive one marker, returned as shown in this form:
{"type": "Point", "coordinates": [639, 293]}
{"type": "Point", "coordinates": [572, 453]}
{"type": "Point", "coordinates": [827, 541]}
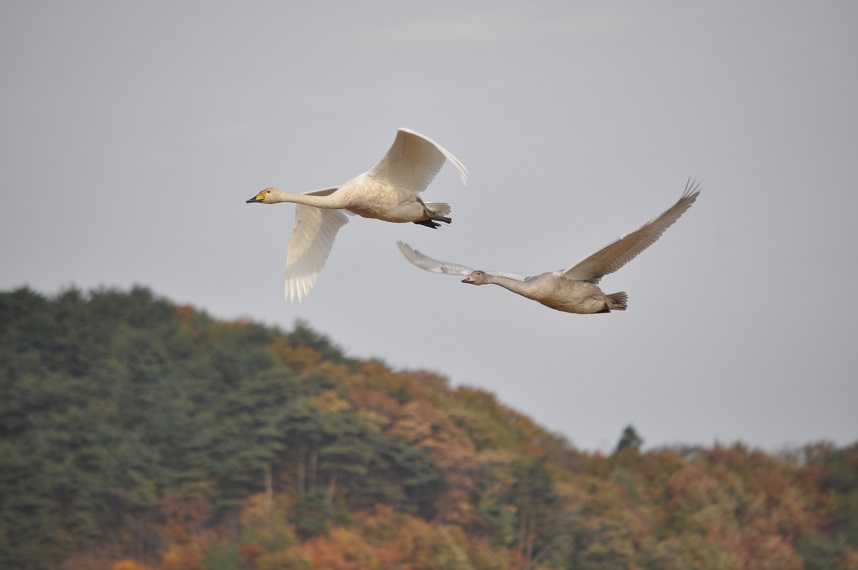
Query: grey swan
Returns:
{"type": "Point", "coordinates": [572, 290]}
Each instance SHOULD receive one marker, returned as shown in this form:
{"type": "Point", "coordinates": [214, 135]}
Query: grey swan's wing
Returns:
{"type": "Point", "coordinates": [612, 257]}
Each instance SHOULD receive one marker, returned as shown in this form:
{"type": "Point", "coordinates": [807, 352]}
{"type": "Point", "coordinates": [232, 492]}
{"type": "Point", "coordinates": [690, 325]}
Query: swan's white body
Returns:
{"type": "Point", "coordinates": [572, 290]}
{"type": "Point", "coordinates": [389, 192]}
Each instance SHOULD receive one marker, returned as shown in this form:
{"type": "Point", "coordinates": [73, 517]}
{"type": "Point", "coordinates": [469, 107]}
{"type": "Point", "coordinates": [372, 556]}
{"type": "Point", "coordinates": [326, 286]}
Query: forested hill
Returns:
{"type": "Point", "coordinates": [136, 434]}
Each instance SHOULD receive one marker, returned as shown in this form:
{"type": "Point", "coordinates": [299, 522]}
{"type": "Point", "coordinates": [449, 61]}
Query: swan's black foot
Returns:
{"type": "Point", "coordinates": [433, 224]}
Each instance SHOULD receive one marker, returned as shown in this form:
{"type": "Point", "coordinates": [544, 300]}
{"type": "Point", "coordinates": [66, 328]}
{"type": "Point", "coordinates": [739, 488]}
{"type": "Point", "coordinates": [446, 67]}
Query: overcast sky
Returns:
{"type": "Point", "coordinates": [133, 133]}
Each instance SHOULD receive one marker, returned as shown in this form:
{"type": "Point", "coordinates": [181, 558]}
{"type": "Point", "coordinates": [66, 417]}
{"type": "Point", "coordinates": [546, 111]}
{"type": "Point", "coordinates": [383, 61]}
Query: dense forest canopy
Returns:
{"type": "Point", "coordinates": [136, 434]}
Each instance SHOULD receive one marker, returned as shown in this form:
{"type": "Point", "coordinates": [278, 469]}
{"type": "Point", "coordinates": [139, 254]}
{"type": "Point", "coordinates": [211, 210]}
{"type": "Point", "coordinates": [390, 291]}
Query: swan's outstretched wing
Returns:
{"type": "Point", "coordinates": [429, 264]}
{"type": "Point", "coordinates": [413, 161]}
{"type": "Point", "coordinates": [435, 266]}
{"type": "Point", "coordinates": [612, 257]}
{"type": "Point", "coordinates": [311, 242]}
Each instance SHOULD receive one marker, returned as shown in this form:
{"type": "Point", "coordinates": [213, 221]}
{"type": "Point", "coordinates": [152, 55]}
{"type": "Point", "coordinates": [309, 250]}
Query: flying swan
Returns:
{"type": "Point", "coordinates": [388, 192]}
{"type": "Point", "coordinates": [573, 290]}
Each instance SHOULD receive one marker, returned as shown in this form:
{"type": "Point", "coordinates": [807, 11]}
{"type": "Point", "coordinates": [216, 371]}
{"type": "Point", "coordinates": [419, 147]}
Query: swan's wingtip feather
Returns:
{"type": "Point", "coordinates": [299, 289]}
{"type": "Point", "coordinates": [461, 168]}
{"type": "Point", "coordinates": [692, 188]}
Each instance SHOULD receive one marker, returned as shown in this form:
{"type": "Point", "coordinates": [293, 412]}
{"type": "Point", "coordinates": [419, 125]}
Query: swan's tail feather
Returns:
{"type": "Point", "coordinates": [438, 208]}
{"type": "Point", "coordinates": [618, 301]}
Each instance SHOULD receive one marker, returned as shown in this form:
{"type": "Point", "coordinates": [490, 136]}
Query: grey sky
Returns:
{"type": "Point", "coordinates": [133, 133]}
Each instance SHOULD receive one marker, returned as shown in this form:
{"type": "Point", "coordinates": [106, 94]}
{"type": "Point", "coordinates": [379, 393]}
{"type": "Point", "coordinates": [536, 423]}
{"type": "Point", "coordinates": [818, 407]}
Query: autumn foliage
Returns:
{"type": "Point", "coordinates": [137, 435]}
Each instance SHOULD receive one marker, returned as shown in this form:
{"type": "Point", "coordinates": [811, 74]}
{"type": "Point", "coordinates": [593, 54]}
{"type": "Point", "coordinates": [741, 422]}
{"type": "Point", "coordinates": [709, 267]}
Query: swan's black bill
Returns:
{"type": "Point", "coordinates": [252, 200]}
{"type": "Point", "coordinates": [468, 280]}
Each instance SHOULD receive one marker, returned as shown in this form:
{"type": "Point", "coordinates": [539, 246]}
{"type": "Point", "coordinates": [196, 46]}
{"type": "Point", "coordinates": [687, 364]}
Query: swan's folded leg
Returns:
{"type": "Point", "coordinates": [435, 212]}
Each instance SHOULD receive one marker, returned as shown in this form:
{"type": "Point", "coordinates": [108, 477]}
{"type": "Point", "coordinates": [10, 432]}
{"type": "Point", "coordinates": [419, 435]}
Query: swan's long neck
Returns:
{"type": "Point", "coordinates": [330, 201]}
{"type": "Point", "coordinates": [514, 285]}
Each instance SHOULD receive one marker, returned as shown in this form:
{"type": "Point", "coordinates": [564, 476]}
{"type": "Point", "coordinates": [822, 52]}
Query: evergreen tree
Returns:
{"type": "Point", "coordinates": [629, 440]}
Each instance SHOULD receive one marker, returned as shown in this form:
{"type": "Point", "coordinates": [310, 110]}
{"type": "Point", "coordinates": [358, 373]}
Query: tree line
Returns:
{"type": "Point", "coordinates": [136, 434]}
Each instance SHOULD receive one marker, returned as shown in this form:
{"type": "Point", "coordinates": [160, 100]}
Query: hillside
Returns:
{"type": "Point", "coordinates": [140, 435]}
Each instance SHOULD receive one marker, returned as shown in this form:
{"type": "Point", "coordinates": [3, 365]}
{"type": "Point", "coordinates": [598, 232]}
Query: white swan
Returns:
{"type": "Point", "coordinates": [389, 192]}
{"type": "Point", "coordinates": [573, 290]}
